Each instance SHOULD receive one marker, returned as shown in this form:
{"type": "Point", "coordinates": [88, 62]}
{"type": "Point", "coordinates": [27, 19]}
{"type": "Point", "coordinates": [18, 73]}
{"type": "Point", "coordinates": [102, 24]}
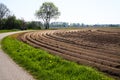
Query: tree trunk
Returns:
{"type": "Point", "coordinates": [0, 24]}
{"type": "Point", "coordinates": [47, 25]}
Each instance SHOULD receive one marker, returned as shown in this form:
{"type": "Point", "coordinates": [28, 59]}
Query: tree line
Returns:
{"type": "Point", "coordinates": [9, 21]}
{"type": "Point", "coordinates": [46, 12]}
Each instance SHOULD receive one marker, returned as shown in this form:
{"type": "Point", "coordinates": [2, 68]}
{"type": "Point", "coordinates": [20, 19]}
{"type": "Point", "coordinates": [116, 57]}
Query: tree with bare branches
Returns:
{"type": "Point", "coordinates": [4, 12]}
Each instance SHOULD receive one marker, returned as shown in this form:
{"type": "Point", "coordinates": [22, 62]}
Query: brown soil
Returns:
{"type": "Point", "coordinates": [99, 48]}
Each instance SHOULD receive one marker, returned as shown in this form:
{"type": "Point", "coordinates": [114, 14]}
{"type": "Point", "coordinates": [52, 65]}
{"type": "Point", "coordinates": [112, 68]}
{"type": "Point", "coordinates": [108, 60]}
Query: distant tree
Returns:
{"type": "Point", "coordinates": [34, 25]}
{"type": "Point", "coordinates": [2, 23]}
{"type": "Point", "coordinates": [11, 23]}
{"type": "Point", "coordinates": [114, 25]}
{"type": "Point", "coordinates": [46, 12]}
{"type": "Point", "coordinates": [23, 25]}
{"type": "Point", "coordinates": [4, 12]}
{"type": "Point", "coordinates": [18, 23]}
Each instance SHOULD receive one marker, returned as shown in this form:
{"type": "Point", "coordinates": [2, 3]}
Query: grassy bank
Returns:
{"type": "Point", "coordinates": [44, 66]}
{"type": "Point", "coordinates": [3, 31]}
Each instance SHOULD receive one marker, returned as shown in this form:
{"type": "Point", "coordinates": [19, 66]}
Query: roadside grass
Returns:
{"type": "Point", "coordinates": [44, 66]}
{"type": "Point", "coordinates": [3, 31]}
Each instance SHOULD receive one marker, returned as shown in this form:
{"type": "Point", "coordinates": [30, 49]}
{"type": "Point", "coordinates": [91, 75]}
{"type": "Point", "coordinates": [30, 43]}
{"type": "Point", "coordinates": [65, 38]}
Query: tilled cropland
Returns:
{"type": "Point", "coordinates": [98, 48]}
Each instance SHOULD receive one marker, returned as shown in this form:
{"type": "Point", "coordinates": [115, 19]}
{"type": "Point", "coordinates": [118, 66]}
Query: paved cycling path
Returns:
{"type": "Point", "coordinates": [9, 70]}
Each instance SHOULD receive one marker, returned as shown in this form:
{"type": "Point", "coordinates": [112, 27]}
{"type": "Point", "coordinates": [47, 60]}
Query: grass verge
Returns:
{"type": "Point", "coordinates": [44, 66]}
{"type": "Point", "coordinates": [3, 31]}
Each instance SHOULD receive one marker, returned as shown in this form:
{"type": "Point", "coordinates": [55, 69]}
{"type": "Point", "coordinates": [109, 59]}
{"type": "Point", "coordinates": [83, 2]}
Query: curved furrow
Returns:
{"type": "Point", "coordinates": [77, 41]}
{"type": "Point", "coordinates": [84, 51]}
{"type": "Point", "coordinates": [84, 55]}
{"type": "Point", "coordinates": [101, 52]}
{"type": "Point", "coordinates": [89, 33]}
{"type": "Point", "coordinates": [54, 44]}
{"type": "Point", "coordinates": [68, 53]}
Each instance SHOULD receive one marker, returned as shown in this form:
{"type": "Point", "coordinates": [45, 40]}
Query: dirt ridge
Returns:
{"type": "Point", "coordinates": [76, 45]}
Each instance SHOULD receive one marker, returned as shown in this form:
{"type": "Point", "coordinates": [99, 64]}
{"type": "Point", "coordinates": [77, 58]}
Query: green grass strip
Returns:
{"type": "Point", "coordinates": [3, 31]}
{"type": "Point", "coordinates": [44, 66]}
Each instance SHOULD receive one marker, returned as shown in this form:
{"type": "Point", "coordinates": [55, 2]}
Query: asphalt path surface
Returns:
{"type": "Point", "coordinates": [9, 70]}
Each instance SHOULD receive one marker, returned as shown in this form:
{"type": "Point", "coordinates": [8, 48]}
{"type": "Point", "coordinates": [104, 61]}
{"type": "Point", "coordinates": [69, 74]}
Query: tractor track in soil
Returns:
{"type": "Point", "coordinates": [96, 48]}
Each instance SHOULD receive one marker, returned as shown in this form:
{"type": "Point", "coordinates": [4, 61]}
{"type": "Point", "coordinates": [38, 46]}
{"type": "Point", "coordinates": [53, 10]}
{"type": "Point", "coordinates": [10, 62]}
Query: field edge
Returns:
{"type": "Point", "coordinates": [17, 58]}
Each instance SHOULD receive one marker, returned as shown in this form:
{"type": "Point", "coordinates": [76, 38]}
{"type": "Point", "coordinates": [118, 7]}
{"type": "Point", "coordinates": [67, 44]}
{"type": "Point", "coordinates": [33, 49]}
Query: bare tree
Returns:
{"type": "Point", "coordinates": [46, 12]}
{"type": "Point", "coordinates": [4, 11]}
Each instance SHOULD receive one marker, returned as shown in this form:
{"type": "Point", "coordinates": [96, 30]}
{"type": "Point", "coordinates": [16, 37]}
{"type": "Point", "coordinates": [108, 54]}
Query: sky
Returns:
{"type": "Point", "coordinates": [72, 11]}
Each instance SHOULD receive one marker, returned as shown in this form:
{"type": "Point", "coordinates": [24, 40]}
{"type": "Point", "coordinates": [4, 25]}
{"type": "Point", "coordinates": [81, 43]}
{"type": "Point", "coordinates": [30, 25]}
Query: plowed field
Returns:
{"type": "Point", "coordinates": [99, 48]}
